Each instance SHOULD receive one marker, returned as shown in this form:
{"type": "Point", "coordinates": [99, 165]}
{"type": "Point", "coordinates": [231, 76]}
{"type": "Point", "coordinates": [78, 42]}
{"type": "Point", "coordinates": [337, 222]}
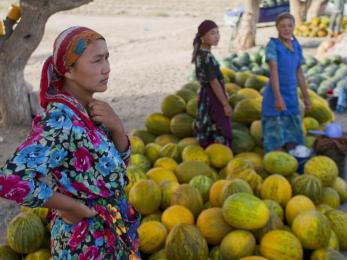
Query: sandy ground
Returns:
{"type": "Point", "coordinates": [150, 47]}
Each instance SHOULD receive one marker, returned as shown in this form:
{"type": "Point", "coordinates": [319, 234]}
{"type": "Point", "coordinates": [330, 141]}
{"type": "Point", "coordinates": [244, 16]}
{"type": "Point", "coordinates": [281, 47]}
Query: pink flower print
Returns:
{"type": "Point", "coordinates": [13, 188]}
{"type": "Point", "coordinates": [104, 192]}
{"type": "Point", "coordinates": [94, 138]}
{"type": "Point", "coordinates": [35, 136]}
{"type": "Point", "coordinates": [79, 233]}
{"type": "Point", "coordinates": [82, 188]}
{"type": "Point", "coordinates": [83, 159]}
{"type": "Point", "coordinates": [92, 253]}
{"type": "Point", "coordinates": [110, 238]}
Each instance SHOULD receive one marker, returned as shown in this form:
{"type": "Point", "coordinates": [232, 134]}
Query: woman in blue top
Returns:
{"type": "Point", "coordinates": [281, 118]}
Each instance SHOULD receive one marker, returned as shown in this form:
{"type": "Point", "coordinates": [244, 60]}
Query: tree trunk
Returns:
{"type": "Point", "coordinates": [298, 10]}
{"type": "Point", "coordinates": [315, 9]}
{"type": "Point", "coordinates": [246, 33]}
{"type": "Point", "coordinates": [16, 48]}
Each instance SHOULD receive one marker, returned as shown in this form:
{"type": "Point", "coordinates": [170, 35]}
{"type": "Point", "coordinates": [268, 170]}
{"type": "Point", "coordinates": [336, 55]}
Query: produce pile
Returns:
{"type": "Point", "coordinates": [317, 27]}
{"type": "Point", "coordinates": [220, 203]}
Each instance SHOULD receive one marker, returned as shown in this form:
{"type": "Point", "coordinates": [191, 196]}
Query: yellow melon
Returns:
{"type": "Point", "coordinates": [215, 192]}
{"type": "Point", "coordinates": [159, 174]}
{"type": "Point", "coordinates": [195, 153]}
{"type": "Point", "coordinates": [166, 163]}
{"type": "Point", "coordinates": [152, 235]}
{"type": "Point", "coordinates": [277, 188]}
{"type": "Point", "coordinates": [176, 214]}
{"type": "Point", "coordinates": [297, 205]}
{"type": "Point", "coordinates": [212, 225]}
{"type": "Point", "coordinates": [237, 244]}
{"type": "Point", "coordinates": [219, 155]}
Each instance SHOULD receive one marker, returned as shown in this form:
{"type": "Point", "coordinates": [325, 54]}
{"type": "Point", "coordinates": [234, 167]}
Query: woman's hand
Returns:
{"type": "Point", "coordinates": [280, 104]}
{"type": "Point", "coordinates": [307, 103]}
{"type": "Point", "coordinates": [76, 214]}
{"type": "Point", "coordinates": [102, 112]}
{"type": "Point", "coordinates": [227, 110]}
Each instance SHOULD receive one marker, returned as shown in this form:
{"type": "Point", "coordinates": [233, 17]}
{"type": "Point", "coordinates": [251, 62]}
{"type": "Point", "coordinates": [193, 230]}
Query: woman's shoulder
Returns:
{"type": "Point", "coordinates": [272, 42]}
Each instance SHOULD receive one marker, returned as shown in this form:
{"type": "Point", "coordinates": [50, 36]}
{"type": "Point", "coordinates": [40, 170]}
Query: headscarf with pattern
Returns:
{"type": "Point", "coordinates": [68, 47]}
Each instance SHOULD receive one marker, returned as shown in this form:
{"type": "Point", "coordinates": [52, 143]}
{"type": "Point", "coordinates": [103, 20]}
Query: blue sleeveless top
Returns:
{"type": "Point", "coordinates": [288, 63]}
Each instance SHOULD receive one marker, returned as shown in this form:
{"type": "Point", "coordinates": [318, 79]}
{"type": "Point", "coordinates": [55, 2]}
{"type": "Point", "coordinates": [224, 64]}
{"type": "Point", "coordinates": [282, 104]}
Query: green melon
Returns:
{"type": "Point", "coordinates": [202, 184]}
{"type": "Point", "coordinates": [137, 145]}
{"type": "Point", "coordinates": [281, 245]}
{"type": "Point", "coordinates": [152, 151]}
{"type": "Point", "coordinates": [165, 139]}
{"type": "Point", "coordinates": [245, 211]}
{"type": "Point", "coordinates": [241, 78]}
{"type": "Point", "coordinates": [181, 125]}
{"type": "Point", "coordinates": [254, 83]}
{"type": "Point", "coordinates": [330, 197]}
{"type": "Point", "coordinates": [338, 222]}
{"type": "Point", "coordinates": [242, 142]}
{"type": "Point", "coordinates": [278, 162]}
{"type": "Point", "coordinates": [234, 186]}
{"type": "Point", "coordinates": [186, 171]}
{"type": "Point", "coordinates": [192, 107]}
{"type": "Point", "coordinates": [173, 105]}
{"type": "Point", "coordinates": [275, 208]}
{"type": "Point", "coordinates": [186, 242]}
{"type": "Point", "coordinates": [247, 110]}
{"type": "Point", "coordinates": [237, 244]}
{"type": "Point", "coordinates": [186, 94]}
{"type": "Point", "coordinates": [145, 195]}
{"type": "Point", "coordinates": [274, 223]}
{"type": "Point", "coordinates": [145, 136]}
{"type": "Point", "coordinates": [340, 186]}
{"type": "Point", "coordinates": [158, 124]}
{"type": "Point", "coordinates": [323, 168]}
{"type": "Point", "coordinates": [192, 85]}
{"type": "Point", "coordinates": [189, 197]}
{"type": "Point", "coordinates": [25, 233]}
{"type": "Point", "coordinates": [160, 255]}
{"type": "Point", "coordinates": [309, 186]}
{"type": "Point", "coordinates": [312, 229]}
{"type": "Point", "coordinates": [140, 161]}
{"type": "Point", "coordinates": [134, 175]}
{"type": "Point", "coordinates": [170, 150]}
{"type": "Point", "coordinates": [167, 189]}
{"type": "Point", "coordinates": [42, 254]}
{"type": "Point", "coordinates": [6, 253]}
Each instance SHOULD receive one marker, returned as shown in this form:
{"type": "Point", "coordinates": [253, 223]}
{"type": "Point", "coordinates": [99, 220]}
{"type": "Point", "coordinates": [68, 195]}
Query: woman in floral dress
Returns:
{"type": "Point", "coordinates": [80, 143]}
{"type": "Point", "coordinates": [213, 119]}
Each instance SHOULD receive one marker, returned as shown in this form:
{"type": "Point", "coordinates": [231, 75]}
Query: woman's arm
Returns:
{"type": "Point", "coordinates": [303, 88]}
{"type": "Point", "coordinates": [280, 104]}
{"type": "Point", "coordinates": [218, 91]}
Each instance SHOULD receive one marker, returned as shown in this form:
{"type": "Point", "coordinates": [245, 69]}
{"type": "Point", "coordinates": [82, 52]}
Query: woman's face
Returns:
{"type": "Point", "coordinates": [211, 38]}
{"type": "Point", "coordinates": [91, 71]}
{"type": "Point", "coordinates": [285, 28]}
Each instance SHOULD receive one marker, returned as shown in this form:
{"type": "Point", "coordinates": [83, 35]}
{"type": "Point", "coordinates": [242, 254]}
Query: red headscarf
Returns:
{"type": "Point", "coordinates": [68, 47]}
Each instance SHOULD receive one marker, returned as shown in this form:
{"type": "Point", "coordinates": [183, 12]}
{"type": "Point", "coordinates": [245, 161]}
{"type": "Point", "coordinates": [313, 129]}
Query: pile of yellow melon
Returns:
{"type": "Point", "coordinates": [223, 203]}
{"type": "Point", "coordinates": [317, 27]}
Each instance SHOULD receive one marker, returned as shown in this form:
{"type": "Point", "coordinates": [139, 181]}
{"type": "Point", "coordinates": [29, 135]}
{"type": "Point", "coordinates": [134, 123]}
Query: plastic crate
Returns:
{"type": "Point", "coordinates": [269, 14]}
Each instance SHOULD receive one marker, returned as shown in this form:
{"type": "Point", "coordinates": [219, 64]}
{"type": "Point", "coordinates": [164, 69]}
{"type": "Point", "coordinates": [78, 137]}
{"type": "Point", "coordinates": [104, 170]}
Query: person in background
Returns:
{"type": "Point", "coordinates": [281, 118]}
{"type": "Point", "coordinates": [213, 119]}
{"type": "Point", "coordinates": [80, 143]}
{"type": "Point", "coordinates": [336, 18]}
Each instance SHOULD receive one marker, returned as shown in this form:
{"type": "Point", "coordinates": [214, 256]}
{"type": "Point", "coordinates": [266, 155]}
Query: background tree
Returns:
{"type": "Point", "coordinates": [16, 47]}
{"type": "Point", "coordinates": [246, 33]}
{"type": "Point", "coordinates": [305, 11]}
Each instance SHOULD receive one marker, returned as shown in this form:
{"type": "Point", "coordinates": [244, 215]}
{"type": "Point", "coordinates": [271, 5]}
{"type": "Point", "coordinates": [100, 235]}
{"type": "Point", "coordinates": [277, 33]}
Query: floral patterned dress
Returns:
{"type": "Point", "coordinates": [82, 163]}
{"type": "Point", "coordinates": [211, 125]}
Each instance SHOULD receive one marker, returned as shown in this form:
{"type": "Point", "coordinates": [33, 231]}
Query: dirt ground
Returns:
{"type": "Point", "coordinates": [150, 44]}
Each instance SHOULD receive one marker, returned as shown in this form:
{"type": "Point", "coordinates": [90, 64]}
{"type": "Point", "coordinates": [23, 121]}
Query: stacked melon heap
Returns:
{"type": "Point", "coordinates": [218, 202]}
{"type": "Point", "coordinates": [317, 27]}
{"type": "Point", "coordinates": [325, 75]}
{"type": "Point", "coordinates": [28, 236]}
{"type": "Point", "coordinates": [232, 203]}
